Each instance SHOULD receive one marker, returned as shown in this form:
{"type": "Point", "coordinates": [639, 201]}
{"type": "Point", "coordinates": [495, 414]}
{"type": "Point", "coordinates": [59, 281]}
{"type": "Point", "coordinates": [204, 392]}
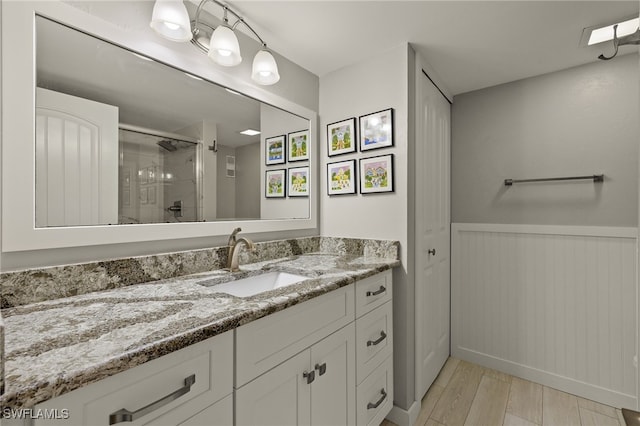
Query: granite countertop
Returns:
{"type": "Point", "coordinates": [56, 346]}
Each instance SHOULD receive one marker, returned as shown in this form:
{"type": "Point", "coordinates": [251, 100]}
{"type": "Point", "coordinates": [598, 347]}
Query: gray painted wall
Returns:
{"type": "Point", "coordinates": [369, 86]}
{"type": "Point", "coordinates": [225, 186]}
{"type": "Point", "coordinates": [579, 121]}
{"type": "Point", "coordinates": [248, 192]}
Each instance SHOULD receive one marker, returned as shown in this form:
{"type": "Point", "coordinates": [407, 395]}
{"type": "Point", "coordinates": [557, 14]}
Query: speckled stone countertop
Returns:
{"type": "Point", "coordinates": [55, 346]}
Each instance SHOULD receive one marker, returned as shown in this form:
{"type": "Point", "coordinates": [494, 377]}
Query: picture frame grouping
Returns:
{"type": "Point", "coordinates": [367, 175]}
{"type": "Point", "coordinates": [278, 150]}
{"type": "Point", "coordinates": [282, 183]}
{"type": "Point", "coordinates": [375, 132]}
{"type": "Point", "coordinates": [375, 176]}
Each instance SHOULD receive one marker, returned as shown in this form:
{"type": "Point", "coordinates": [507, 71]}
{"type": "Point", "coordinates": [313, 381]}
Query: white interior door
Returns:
{"type": "Point", "coordinates": [432, 254]}
{"type": "Point", "coordinates": [76, 161]}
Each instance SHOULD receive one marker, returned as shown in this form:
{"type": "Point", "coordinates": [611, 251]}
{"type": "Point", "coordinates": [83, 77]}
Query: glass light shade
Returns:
{"type": "Point", "coordinates": [265, 69]}
{"type": "Point", "coordinates": [224, 48]}
{"type": "Point", "coordinates": [171, 20]}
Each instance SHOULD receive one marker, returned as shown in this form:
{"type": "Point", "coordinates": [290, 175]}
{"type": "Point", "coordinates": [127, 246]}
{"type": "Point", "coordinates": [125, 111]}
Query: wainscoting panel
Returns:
{"type": "Point", "coordinates": [552, 304]}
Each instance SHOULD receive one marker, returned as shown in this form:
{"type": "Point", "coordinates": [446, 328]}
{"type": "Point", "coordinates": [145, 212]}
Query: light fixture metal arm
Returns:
{"type": "Point", "coordinates": [633, 38]}
{"type": "Point", "coordinates": [227, 9]}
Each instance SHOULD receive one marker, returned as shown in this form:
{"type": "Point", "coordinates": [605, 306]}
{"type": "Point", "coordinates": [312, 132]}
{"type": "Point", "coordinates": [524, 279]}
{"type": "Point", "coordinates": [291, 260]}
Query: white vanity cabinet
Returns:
{"type": "Point", "coordinates": [175, 389]}
{"type": "Point", "coordinates": [327, 361]}
{"type": "Point", "coordinates": [374, 348]}
{"type": "Point", "coordinates": [315, 387]}
{"type": "Point", "coordinates": [297, 366]}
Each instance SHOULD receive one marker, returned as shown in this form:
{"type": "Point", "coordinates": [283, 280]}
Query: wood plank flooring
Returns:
{"type": "Point", "coordinates": [466, 394]}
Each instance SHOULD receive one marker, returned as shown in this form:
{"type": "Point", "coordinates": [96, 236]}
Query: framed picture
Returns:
{"type": "Point", "coordinates": [376, 174]}
{"type": "Point", "coordinates": [341, 137]}
{"type": "Point", "coordinates": [376, 130]}
{"type": "Point", "coordinates": [275, 183]}
{"type": "Point", "coordinates": [298, 179]}
{"type": "Point", "coordinates": [341, 177]}
{"type": "Point", "coordinates": [298, 146]}
{"type": "Point", "coordinates": [275, 148]}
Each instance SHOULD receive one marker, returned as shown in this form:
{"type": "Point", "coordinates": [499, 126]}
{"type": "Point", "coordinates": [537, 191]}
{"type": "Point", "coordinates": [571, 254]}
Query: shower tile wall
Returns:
{"type": "Point", "coordinates": [182, 165]}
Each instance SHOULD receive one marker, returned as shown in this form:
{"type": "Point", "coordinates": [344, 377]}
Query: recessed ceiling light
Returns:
{"type": "Point", "coordinates": [600, 34]}
{"type": "Point", "coordinates": [250, 132]}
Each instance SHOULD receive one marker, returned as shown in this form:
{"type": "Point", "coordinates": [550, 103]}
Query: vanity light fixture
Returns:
{"type": "Point", "coordinates": [170, 19]}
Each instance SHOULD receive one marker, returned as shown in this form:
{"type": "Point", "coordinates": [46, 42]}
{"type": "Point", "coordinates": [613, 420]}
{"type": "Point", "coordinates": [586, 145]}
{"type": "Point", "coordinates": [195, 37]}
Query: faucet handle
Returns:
{"type": "Point", "coordinates": [232, 237]}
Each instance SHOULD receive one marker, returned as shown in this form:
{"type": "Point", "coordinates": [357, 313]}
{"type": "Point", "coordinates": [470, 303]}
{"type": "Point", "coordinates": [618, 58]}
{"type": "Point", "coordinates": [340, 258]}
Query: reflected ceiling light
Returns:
{"type": "Point", "coordinates": [250, 132]}
{"type": "Point", "coordinates": [222, 45]}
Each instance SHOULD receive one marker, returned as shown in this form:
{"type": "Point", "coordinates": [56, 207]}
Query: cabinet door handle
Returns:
{"type": "Point", "coordinates": [321, 368]}
{"type": "Point", "coordinates": [377, 404]}
{"type": "Point", "coordinates": [310, 376]}
{"type": "Point", "coordinates": [383, 336]}
{"type": "Point", "coordinates": [432, 252]}
{"type": "Point", "coordinates": [377, 292]}
{"type": "Point", "coordinates": [123, 415]}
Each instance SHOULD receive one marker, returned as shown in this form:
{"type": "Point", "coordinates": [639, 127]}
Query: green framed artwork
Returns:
{"type": "Point", "coordinates": [376, 174]}
{"type": "Point", "coordinates": [341, 137]}
{"type": "Point", "coordinates": [275, 150]}
{"type": "Point", "coordinates": [274, 182]}
{"type": "Point", "coordinates": [298, 182]}
{"type": "Point", "coordinates": [341, 177]}
{"type": "Point", "coordinates": [298, 145]}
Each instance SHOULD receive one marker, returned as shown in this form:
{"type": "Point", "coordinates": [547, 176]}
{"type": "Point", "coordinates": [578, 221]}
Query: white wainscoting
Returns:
{"type": "Point", "coordinates": [552, 304]}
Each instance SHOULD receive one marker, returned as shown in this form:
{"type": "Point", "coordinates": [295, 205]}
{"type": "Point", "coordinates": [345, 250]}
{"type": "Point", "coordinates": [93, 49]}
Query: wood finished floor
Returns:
{"type": "Point", "coordinates": [466, 394]}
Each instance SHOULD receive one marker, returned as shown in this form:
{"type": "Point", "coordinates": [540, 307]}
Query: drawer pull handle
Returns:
{"type": "Point", "coordinates": [310, 376]}
{"type": "Point", "coordinates": [123, 415]}
{"type": "Point", "coordinates": [321, 368]}
{"type": "Point", "coordinates": [383, 336]}
{"type": "Point", "coordinates": [377, 404]}
{"type": "Point", "coordinates": [377, 292]}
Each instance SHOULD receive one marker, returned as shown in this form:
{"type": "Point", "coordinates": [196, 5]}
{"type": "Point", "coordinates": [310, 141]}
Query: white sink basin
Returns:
{"type": "Point", "coordinates": [246, 287]}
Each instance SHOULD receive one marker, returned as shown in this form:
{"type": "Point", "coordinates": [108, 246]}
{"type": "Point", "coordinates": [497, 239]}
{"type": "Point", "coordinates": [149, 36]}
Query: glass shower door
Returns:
{"type": "Point", "coordinates": [158, 179]}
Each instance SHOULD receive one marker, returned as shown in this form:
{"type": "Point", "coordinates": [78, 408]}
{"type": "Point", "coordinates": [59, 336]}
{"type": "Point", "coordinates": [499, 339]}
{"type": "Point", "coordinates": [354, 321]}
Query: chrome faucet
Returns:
{"type": "Point", "coordinates": [234, 248]}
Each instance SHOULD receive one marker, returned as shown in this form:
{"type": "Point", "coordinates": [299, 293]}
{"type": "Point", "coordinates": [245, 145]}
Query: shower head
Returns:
{"type": "Point", "coordinates": [168, 145]}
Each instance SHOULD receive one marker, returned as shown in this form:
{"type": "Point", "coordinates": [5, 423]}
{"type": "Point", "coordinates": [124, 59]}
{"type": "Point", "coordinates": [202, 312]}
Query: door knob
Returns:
{"type": "Point", "coordinates": [432, 251]}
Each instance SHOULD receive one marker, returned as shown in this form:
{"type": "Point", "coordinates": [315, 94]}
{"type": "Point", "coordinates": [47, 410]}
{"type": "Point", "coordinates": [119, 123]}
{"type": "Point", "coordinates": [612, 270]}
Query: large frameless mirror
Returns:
{"type": "Point", "coordinates": [122, 139]}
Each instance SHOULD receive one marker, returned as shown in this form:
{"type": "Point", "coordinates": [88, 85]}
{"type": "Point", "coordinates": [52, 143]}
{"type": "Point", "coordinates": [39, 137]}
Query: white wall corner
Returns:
{"type": "Point", "coordinates": [423, 63]}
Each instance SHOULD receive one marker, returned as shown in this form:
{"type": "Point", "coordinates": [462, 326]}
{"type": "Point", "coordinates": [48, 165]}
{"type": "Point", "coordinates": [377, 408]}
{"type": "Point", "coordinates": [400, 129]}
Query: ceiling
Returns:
{"type": "Point", "coordinates": [469, 44]}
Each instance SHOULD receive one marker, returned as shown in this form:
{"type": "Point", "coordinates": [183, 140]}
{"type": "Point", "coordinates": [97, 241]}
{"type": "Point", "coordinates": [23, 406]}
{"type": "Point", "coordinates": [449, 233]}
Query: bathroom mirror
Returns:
{"type": "Point", "coordinates": [127, 26]}
{"type": "Point", "coordinates": [121, 139]}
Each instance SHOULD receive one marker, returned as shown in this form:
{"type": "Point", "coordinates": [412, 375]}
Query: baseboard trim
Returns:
{"type": "Point", "coordinates": [403, 417]}
{"type": "Point", "coordinates": [566, 384]}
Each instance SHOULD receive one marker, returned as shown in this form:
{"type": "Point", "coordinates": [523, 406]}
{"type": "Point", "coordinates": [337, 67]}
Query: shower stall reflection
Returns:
{"type": "Point", "coordinates": [158, 178]}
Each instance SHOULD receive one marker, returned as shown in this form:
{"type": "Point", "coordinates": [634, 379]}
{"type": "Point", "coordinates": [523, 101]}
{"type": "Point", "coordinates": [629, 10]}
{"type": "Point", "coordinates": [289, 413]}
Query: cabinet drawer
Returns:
{"type": "Point", "coordinates": [267, 342]}
{"type": "Point", "coordinates": [219, 414]}
{"type": "Point", "coordinates": [372, 292]}
{"type": "Point", "coordinates": [374, 339]}
{"type": "Point", "coordinates": [210, 362]}
{"type": "Point", "coordinates": [374, 395]}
